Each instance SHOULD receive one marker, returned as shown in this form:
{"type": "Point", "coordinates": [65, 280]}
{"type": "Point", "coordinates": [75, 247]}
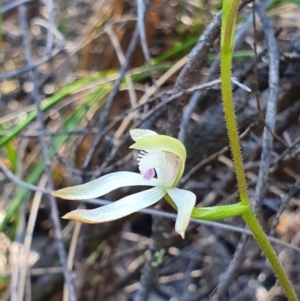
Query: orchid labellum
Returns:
{"type": "Point", "coordinates": [161, 163]}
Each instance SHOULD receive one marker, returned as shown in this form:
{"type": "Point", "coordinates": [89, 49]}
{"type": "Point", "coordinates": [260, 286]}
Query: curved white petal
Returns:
{"type": "Point", "coordinates": [185, 201]}
{"type": "Point", "coordinates": [118, 209]}
{"type": "Point", "coordinates": [104, 185]}
{"type": "Point", "coordinates": [138, 134]}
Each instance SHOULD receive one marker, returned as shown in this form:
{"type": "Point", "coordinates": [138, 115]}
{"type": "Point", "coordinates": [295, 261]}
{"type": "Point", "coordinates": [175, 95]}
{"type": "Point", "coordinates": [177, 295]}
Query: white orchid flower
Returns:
{"type": "Point", "coordinates": [161, 163]}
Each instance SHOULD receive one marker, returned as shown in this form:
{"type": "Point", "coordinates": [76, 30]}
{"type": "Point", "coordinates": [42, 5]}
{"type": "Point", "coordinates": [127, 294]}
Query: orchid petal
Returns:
{"type": "Point", "coordinates": [166, 144]}
{"type": "Point", "coordinates": [118, 209]}
{"type": "Point", "coordinates": [185, 202]}
{"type": "Point", "coordinates": [104, 185]}
{"type": "Point", "coordinates": [138, 134]}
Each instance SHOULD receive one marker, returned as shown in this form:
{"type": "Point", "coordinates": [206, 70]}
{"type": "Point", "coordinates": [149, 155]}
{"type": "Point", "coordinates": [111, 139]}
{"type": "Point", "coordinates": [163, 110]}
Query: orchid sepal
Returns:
{"type": "Point", "coordinates": [185, 202]}
{"type": "Point", "coordinates": [103, 185]}
{"type": "Point", "coordinates": [121, 208]}
{"type": "Point", "coordinates": [138, 134]}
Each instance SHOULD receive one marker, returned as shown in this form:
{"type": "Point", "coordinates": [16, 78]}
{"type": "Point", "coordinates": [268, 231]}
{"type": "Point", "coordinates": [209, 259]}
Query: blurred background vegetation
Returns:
{"type": "Point", "coordinates": [66, 56]}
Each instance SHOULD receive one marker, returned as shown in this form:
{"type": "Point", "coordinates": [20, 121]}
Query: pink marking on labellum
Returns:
{"type": "Point", "coordinates": [148, 174]}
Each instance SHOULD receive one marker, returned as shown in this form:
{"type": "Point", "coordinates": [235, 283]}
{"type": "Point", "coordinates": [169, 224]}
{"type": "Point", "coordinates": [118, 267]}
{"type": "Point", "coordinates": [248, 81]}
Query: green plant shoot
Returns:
{"type": "Point", "coordinates": [230, 8]}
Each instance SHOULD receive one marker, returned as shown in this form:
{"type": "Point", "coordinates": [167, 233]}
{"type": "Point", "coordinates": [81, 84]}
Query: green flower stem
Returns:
{"type": "Point", "coordinates": [228, 21]}
{"type": "Point", "coordinates": [230, 8]}
{"type": "Point", "coordinates": [265, 245]}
